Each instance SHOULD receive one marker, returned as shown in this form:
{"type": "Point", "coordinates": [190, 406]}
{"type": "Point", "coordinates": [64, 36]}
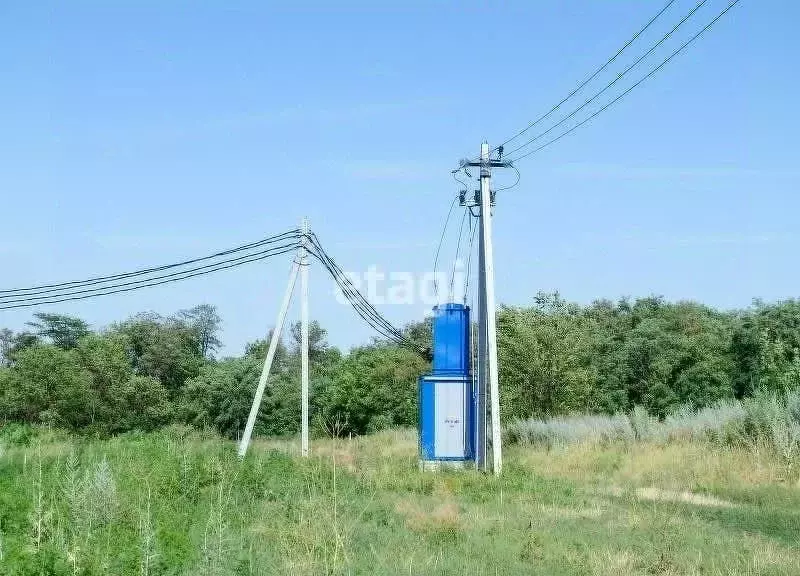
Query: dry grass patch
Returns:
{"type": "Point", "coordinates": [438, 514]}
{"type": "Point", "coordinates": [683, 466]}
{"type": "Point", "coordinates": [656, 494]}
{"type": "Point", "coordinates": [591, 512]}
{"type": "Point", "coordinates": [677, 467]}
{"type": "Point", "coordinates": [613, 562]}
{"type": "Point", "coordinates": [442, 517]}
{"type": "Point", "coordinates": [767, 556]}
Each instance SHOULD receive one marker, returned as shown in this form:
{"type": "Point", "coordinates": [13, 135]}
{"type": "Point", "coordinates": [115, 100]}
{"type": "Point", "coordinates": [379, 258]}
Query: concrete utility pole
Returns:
{"type": "Point", "coordinates": [480, 392]}
{"type": "Point", "coordinates": [273, 345]}
{"type": "Point", "coordinates": [304, 337]}
{"type": "Point", "coordinates": [487, 321]}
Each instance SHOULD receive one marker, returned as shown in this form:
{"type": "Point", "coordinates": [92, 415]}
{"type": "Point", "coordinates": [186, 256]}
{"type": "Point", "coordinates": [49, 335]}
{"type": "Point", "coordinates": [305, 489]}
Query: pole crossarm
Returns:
{"type": "Point", "coordinates": [489, 164]}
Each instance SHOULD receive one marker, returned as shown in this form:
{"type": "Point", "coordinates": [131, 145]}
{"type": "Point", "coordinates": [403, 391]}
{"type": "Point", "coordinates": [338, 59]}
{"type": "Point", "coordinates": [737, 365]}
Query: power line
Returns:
{"type": "Point", "coordinates": [374, 320]}
{"type": "Point", "coordinates": [469, 257]}
{"type": "Point", "coordinates": [350, 293]}
{"type": "Point", "coordinates": [613, 82]}
{"type": "Point", "coordinates": [458, 249]}
{"type": "Point", "coordinates": [512, 185]}
{"type": "Point", "coordinates": [441, 240]}
{"type": "Point", "coordinates": [591, 77]}
{"type": "Point", "coordinates": [113, 289]}
{"type": "Point", "coordinates": [45, 288]}
{"type": "Point", "coordinates": [360, 304]}
{"type": "Point", "coordinates": [63, 292]}
{"type": "Point", "coordinates": [627, 91]}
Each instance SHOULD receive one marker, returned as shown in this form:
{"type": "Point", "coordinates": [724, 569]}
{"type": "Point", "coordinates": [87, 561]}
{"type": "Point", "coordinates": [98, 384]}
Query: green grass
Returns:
{"type": "Point", "coordinates": [178, 502]}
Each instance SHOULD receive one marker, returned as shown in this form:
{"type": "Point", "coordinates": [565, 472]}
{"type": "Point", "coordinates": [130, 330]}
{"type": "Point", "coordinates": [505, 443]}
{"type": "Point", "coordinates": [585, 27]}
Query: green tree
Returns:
{"type": "Point", "coordinates": [220, 396]}
{"type": "Point", "coordinates": [6, 342]}
{"type": "Point", "coordinates": [6, 382]}
{"type": "Point", "coordinates": [163, 348]}
{"type": "Point", "coordinates": [143, 403]}
{"type": "Point", "coordinates": [49, 385]}
{"type": "Point", "coordinates": [373, 387]}
{"type": "Point", "coordinates": [258, 349]}
{"type": "Point", "coordinates": [20, 342]}
{"type": "Point", "coordinates": [61, 330]}
{"type": "Point", "coordinates": [766, 346]}
{"type": "Point", "coordinates": [544, 360]}
{"type": "Point", "coordinates": [205, 322]}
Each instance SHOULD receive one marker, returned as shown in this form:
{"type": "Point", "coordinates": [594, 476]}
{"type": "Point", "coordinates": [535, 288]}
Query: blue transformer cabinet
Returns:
{"type": "Point", "coordinates": [446, 397]}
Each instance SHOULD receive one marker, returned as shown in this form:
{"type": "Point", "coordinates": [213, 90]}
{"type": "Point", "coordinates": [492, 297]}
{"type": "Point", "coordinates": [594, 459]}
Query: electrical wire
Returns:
{"type": "Point", "coordinates": [46, 288]}
{"type": "Point", "coordinates": [473, 230]}
{"type": "Point", "coordinates": [354, 296]}
{"type": "Point", "coordinates": [360, 304]}
{"type": "Point", "coordinates": [111, 284]}
{"type": "Point", "coordinates": [69, 292]}
{"type": "Point", "coordinates": [454, 173]}
{"type": "Point", "coordinates": [613, 82]}
{"type": "Point", "coordinates": [588, 79]}
{"type": "Point", "coordinates": [365, 310]}
{"type": "Point", "coordinates": [441, 240]}
{"type": "Point", "coordinates": [514, 184]}
{"type": "Point", "coordinates": [112, 289]}
{"type": "Point", "coordinates": [455, 262]}
{"type": "Point", "coordinates": [626, 92]}
{"type": "Point", "coordinates": [349, 292]}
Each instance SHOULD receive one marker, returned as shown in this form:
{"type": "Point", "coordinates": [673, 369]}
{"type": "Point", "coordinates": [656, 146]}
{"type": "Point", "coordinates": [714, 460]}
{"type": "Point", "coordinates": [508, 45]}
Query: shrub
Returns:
{"type": "Point", "coordinates": [768, 419]}
{"type": "Point", "coordinates": [721, 422]}
{"type": "Point", "coordinates": [564, 430]}
{"type": "Point", "coordinates": [644, 426]}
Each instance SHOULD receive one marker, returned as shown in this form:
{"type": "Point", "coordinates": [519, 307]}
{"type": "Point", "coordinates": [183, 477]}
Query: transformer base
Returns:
{"type": "Point", "coordinates": [436, 465]}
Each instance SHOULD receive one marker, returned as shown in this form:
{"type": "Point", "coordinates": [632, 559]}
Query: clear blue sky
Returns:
{"type": "Point", "coordinates": [138, 133]}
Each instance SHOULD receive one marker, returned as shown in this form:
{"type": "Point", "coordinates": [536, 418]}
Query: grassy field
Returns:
{"type": "Point", "coordinates": [178, 502]}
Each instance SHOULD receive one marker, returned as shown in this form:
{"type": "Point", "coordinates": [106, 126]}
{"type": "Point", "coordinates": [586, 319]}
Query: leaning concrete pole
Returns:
{"type": "Point", "coordinates": [273, 345]}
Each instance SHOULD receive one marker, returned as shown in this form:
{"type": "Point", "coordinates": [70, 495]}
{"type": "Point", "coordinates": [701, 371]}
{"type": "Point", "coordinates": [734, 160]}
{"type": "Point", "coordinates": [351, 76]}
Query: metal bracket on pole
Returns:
{"type": "Point", "coordinates": [273, 345]}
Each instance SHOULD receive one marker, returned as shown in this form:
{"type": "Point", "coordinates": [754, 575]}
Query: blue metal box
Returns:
{"type": "Point", "coordinates": [451, 339]}
{"type": "Point", "coordinates": [447, 418]}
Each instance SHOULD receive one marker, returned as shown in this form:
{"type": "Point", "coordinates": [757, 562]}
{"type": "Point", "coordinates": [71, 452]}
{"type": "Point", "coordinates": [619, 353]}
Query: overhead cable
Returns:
{"type": "Point", "coordinates": [48, 288]}
{"type": "Point", "coordinates": [586, 81]}
{"type": "Point", "coordinates": [628, 90]}
{"type": "Point", "coordinates": [116, 289]}
{"type": "Point", "coordinates": [590, 77]}
{"type": "Point", "coordinates": [613, 82]}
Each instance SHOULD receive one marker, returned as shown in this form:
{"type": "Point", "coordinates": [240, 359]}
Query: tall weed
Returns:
{"type": "Point", "coordinates": [765, 420]}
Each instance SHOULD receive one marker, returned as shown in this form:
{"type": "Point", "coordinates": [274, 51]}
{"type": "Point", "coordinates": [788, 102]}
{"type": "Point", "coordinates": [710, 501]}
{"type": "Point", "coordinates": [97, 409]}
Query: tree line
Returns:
{"type": "Point", "coordinates": [556, 357]}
